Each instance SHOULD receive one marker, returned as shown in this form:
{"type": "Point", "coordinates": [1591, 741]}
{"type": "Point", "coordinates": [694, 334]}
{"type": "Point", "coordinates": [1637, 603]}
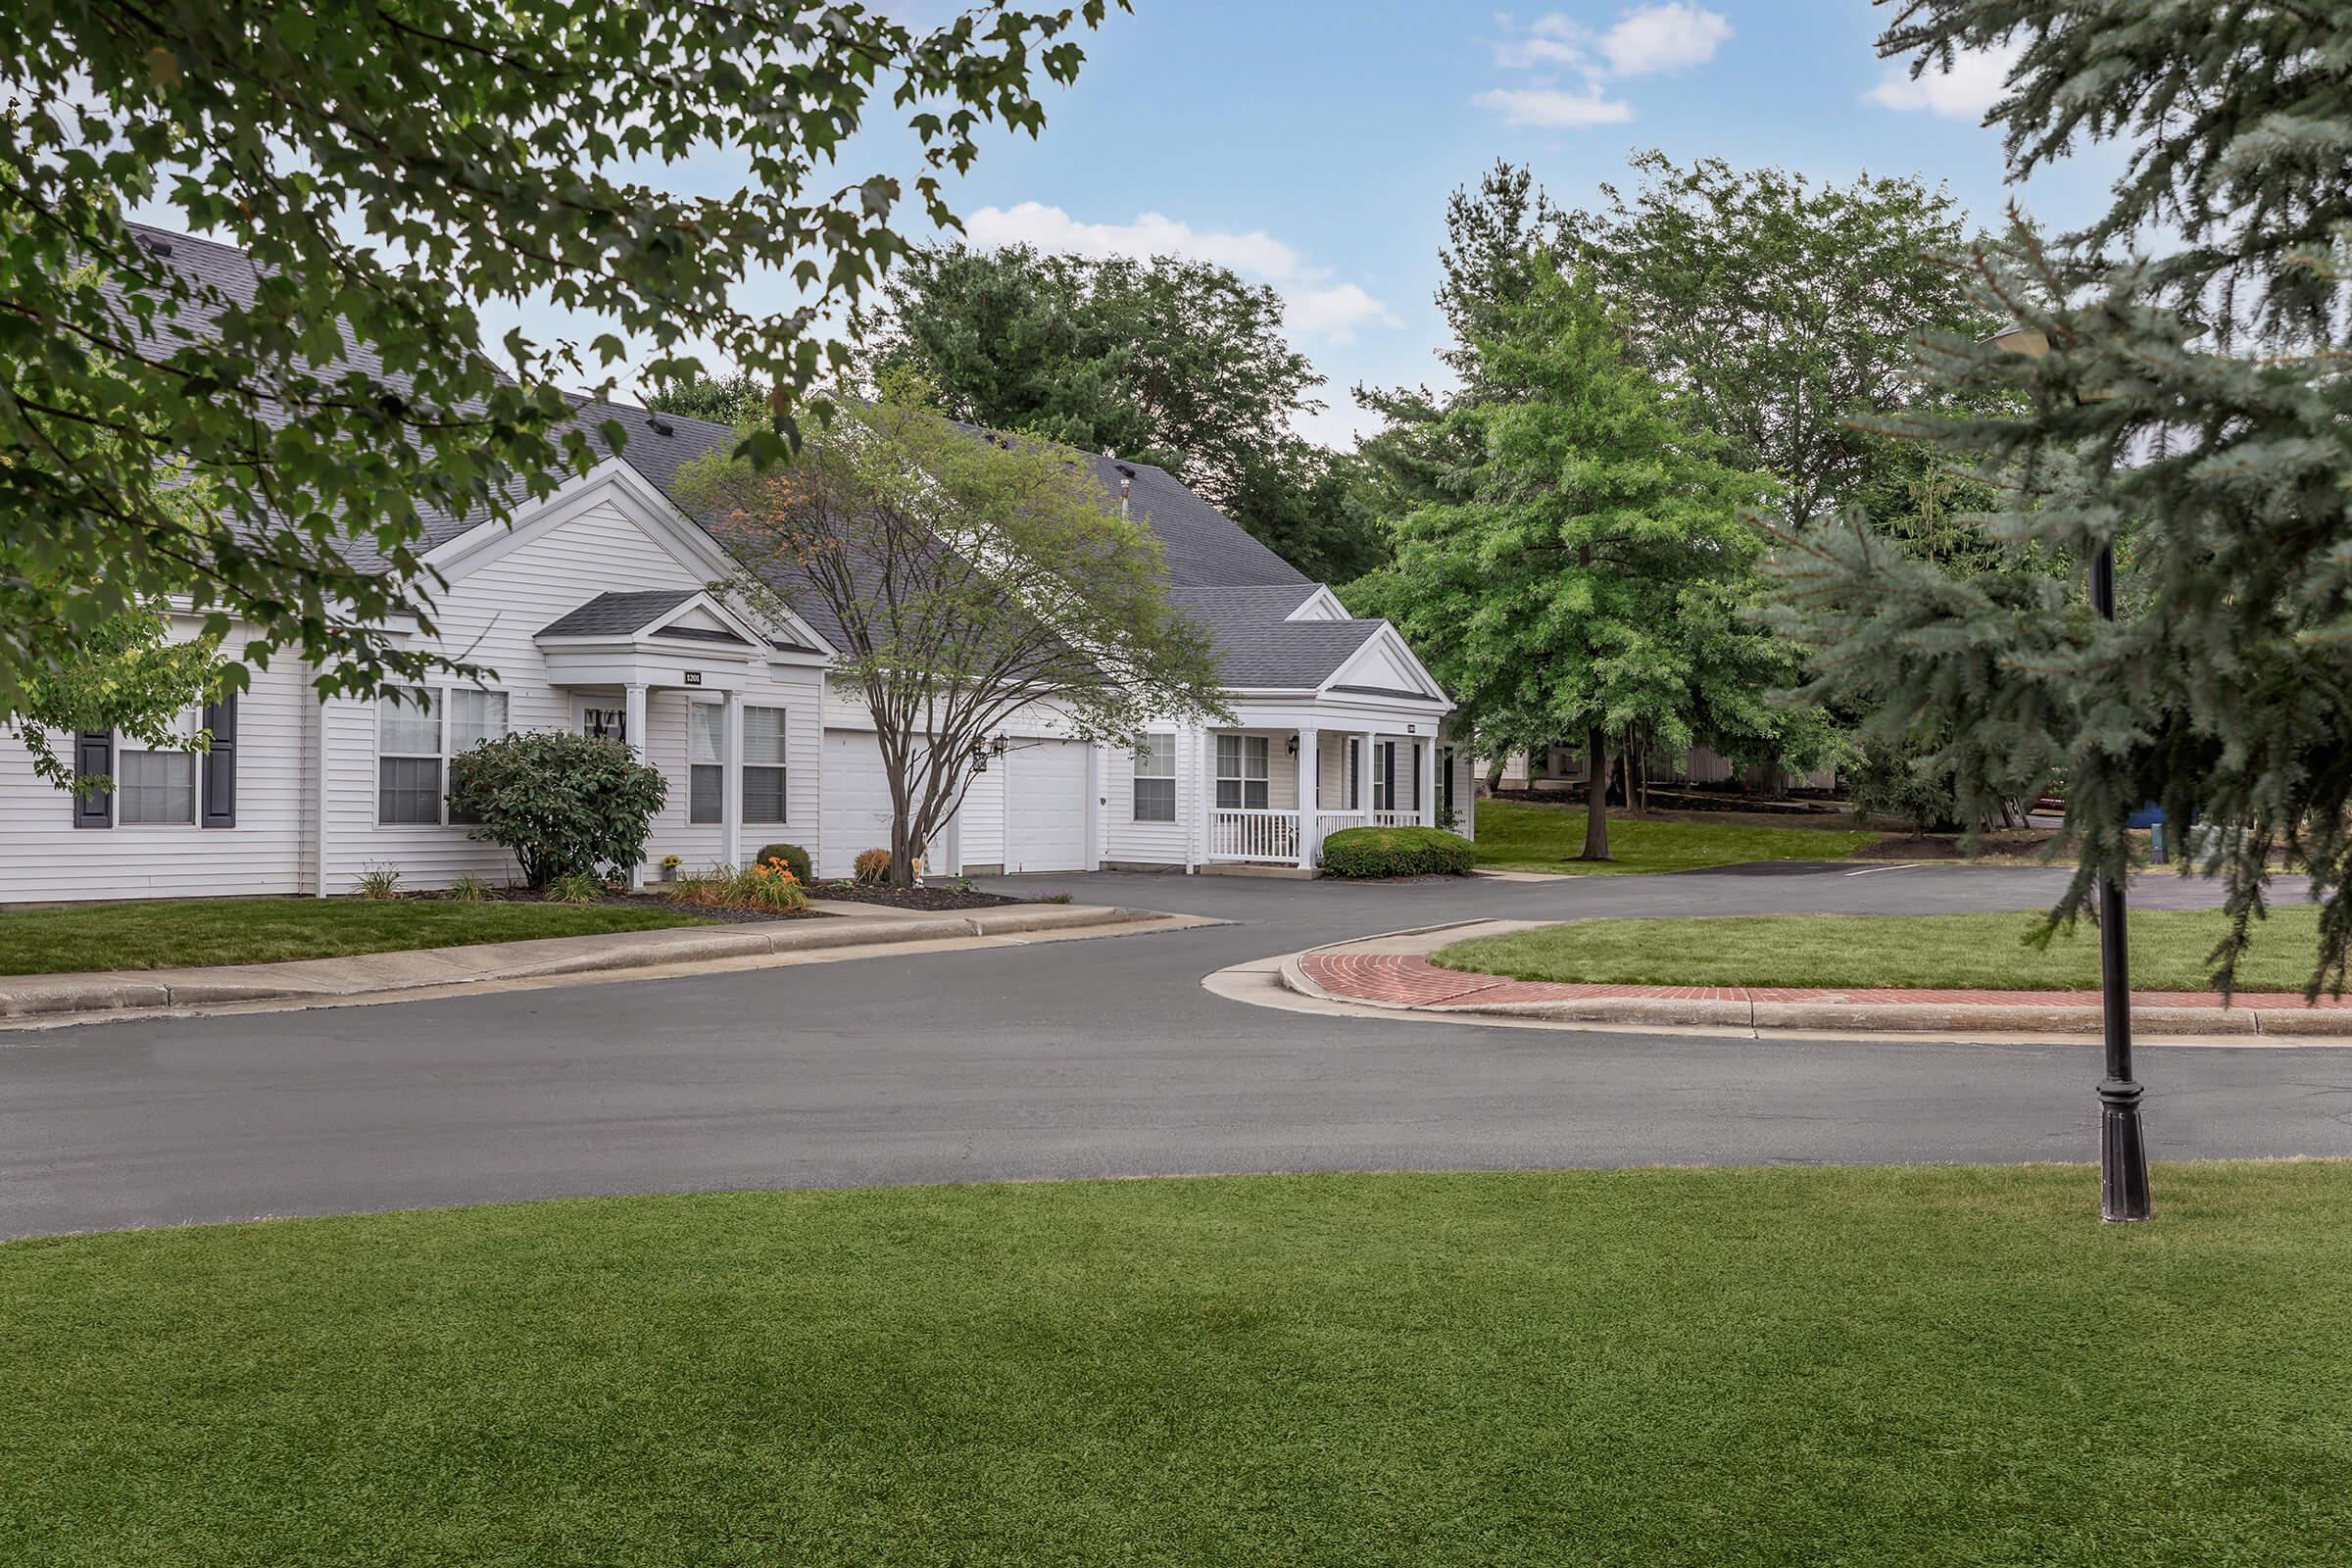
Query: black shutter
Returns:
{"type": "Point", "coordinates": [1417, 776]}
{"type": "Point", "coordinates": [93, 757]}
{"type": "Point", "coordinates": [219, 764]}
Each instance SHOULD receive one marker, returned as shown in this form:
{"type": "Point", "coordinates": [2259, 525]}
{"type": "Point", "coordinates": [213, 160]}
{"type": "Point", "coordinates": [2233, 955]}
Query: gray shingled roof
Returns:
{"type": "Point", "coordinates": [1259, 648]}
{"type": "Point", "coordinates": [1217, 572]}
{"type": "Point", "coordinates": [618, 614]}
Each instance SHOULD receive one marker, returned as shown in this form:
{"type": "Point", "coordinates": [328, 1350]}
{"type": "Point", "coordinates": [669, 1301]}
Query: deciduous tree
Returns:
{"type": "Point", "coordinates": [392, 171]}
{"type": "Point", "coordinates": [1586, 571]}
{"type": "Point", "coordinates": [967, 578]}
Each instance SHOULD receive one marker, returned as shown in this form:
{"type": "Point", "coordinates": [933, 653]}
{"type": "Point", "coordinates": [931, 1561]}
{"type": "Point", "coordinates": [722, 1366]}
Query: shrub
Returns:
{"type": "Point", "coordinates": [469, 888]}
{"type": "Point", "coordinates": [575, 887]}
{"type": "Point", "coordinates": [561, 803]}
{"type": "Point", "coordinates": [793, 855]}
{"type": "Point", "coordinates": [1397, 852]}
{"type": "Point", "coordinates": [873, 865]}
{"type": "Point", "coordinates": [378, 882]}
{"type": "Point", "coordinates": [770, 885]}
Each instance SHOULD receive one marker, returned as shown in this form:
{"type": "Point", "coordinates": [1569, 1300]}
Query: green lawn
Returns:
{"type": "Point", "coordinates": [164, 933]}
{"type": "Point", "coordinates": [1960, 952]}
{"type": "Point", "coordinates": [1522, 836]}
{"type": "Point", "coordinates": [1856, 1366]}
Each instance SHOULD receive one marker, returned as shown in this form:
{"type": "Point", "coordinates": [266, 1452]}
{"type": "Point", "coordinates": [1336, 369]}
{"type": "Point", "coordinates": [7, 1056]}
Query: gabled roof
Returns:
{"type": "Point", "coordinates": [618, 614]}
{"type": "Point", "coordinates": [1233, 584]}
{"type": "Point", "coordinates": [1260, 647]}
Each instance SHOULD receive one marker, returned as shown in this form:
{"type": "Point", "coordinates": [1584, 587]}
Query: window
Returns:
{"type": "Point", "coordinates": [604, 724]}
{"type": "Point", "coordinates": [408, 757]}
{"type": "Point", "coordinates": [411, 761]}
{"type": "Point", "coordinates": [764, 764]}
{"type": "Point", "coordinates": [474, 717]}
{"type": "Point", "coordinates": [1242, 772]}
{"type": "Point", "coordinates": [1155, 779]}
{"type": "Point", "coordinates": [157, 788]}
{"type": "Point", "coordinates": [706, 763]}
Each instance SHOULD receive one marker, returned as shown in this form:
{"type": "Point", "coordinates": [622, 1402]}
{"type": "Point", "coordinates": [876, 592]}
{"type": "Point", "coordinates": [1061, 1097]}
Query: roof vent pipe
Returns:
{"type": "Point", "coordinates": [1126, 486]}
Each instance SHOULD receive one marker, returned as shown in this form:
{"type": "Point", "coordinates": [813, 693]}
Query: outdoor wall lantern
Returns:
{"type": "Point", "coordinates": [1294, 745]}
{"type": "Point", "coordinates": [982, 750]}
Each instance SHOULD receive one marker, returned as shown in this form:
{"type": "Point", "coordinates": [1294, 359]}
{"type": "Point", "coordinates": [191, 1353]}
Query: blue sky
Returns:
{"type": "Point", "coordinates": [1312, 145]}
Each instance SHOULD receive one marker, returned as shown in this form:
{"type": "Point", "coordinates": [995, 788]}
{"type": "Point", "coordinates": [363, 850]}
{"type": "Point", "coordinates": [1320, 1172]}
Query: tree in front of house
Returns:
{"type": "Point", "coordinates": [392, 171]}
{"type": "Point", "coordinates": [2190, 412]}
{"type": "Point", "coordinates": [1179, 363]}
{"type": "Point", "coordinates": [1588, 567]}
{"type": "Point", "coordinates": [969, 579]}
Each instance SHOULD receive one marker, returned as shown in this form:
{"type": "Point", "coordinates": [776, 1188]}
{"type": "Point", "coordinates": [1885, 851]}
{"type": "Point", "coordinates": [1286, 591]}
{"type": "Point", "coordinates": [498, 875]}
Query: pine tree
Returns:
{"type": "Point", "coordinates": [2192, 410]}
{"type": "Point", "coordinates": [1586, 569]}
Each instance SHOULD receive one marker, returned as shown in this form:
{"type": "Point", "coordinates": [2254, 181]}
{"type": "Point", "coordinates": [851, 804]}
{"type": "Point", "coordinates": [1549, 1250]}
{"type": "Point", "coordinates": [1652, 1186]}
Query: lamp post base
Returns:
{"type": "Point", "coordinates": [2123, 1154]}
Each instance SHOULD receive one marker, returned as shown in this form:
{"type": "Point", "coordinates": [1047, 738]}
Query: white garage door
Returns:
{"type": "Point", "coordinates": [1044, 807]}
{"type": "Point", "coordinates": [855, 808]}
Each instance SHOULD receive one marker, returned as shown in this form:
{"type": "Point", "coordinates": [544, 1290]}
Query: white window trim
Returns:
{"type": "Point", "coordinates": [716, 712]}
{"type": "Point", "coordinates": [784, 745]}
{"type": "Point", "coordinates": [1265, 779]}
{"type": "Point", "coordinates": [446, 731]}
{"type": "Point", "coordinates": [1134, 814]}
{"type": "Point", "coordinates": [191, 719]}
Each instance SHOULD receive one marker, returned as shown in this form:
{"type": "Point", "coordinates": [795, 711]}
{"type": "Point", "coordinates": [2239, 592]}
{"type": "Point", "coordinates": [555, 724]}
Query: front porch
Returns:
{"type": "Point", "coordinates": [1275, 795]}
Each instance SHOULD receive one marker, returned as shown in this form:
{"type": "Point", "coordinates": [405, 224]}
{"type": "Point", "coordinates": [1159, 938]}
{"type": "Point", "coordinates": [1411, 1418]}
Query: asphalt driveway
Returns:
{"type": "Point", "coordinates": [1102, 1057]}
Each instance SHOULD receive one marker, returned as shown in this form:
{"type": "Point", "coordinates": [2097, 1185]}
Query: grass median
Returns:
{"type": "Point", "coordinates": [2170, 951]}
{"type": "Point", "coordinates": [1921, 1365]}
{"type": "Point", "coordinates": [1525, 836]}
{"type": "Point", "coordinates": [166, 933]}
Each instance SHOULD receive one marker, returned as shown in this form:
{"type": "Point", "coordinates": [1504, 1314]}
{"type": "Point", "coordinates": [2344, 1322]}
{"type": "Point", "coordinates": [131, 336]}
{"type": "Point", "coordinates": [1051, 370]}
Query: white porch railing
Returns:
{"type": "Point", "coordinates": [1253, 835]}
{"type": "Point", "coordinates": [1329, 823]}
{"type": "Point", "coordinates": [1396, 819]}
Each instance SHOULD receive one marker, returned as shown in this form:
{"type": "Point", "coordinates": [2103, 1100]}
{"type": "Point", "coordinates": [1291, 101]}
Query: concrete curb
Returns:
{"type": "Point", "coordinates": [1872, 1017]}
{"type": "Point", "coordinates": [421, 968]}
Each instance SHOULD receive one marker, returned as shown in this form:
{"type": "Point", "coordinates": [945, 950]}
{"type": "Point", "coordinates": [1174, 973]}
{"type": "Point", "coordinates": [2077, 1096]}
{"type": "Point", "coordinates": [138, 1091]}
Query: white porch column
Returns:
{"type": "Point", "coordinates": [1191, 792]}
{"type": "Point", "coordinates": [730, 778]}
{"type": "Point", "coordinates": [1428, 780]}
{"type": "Point", "coordinates": [633, 725]}
{"type": "Point", "coordinates": [1309, 844]}
{"type": "Point", "coordinates": [1368, 744]}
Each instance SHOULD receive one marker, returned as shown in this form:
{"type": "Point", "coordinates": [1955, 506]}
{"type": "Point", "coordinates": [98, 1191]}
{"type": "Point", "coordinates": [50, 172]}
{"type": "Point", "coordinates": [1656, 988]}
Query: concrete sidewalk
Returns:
{"type": "Point", "coordinates": [48, 997]}
{"type": "Point", "coordinates": [1394, 972]}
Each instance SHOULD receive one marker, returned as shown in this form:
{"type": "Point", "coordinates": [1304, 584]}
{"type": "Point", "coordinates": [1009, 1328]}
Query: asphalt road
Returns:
{"type": "Point", "coordinates": [1102, 1057]}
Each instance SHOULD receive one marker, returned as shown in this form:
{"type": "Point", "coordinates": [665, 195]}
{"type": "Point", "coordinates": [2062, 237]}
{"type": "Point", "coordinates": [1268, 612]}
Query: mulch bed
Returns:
{"type": "Point", "coordinates": [653, 899]}
{"type": "Point", "coordinates": [930, 898]}
{"type": "Point", "coordinates": [1947, 845]}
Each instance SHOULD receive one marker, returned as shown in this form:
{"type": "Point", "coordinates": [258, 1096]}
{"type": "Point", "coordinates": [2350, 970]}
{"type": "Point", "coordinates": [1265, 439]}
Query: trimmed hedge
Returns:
{"type": "Point", "coordinates": [791, 855]}
{"type": "Point", "coordinates": [1397, 852]}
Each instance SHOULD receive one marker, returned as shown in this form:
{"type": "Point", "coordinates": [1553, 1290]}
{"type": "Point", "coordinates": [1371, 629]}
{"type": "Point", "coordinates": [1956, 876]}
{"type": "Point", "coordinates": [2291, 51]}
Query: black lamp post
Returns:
{"type": "Point", "coordinates": [2123, 1143]}
{"type": "Point", "coordinates": [2123, 1147]}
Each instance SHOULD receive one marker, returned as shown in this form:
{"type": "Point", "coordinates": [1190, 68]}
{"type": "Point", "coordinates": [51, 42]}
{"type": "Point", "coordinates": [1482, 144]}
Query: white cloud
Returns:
{"type": "Point", "coordinates": [1646, 39]}
{"type": "Point", "coordinates": [1312, 301]}
{"type": "Point", "coordinates": [1663, 37]}
{"type": "Point", "coordinates": [1979, 80]}
{"type": "Point", "coordinates": [1555, 107]}
{"type": "Point", "coordinates": [1335, 313]}
{"type": "Point", "coordinates": [1257, 254]}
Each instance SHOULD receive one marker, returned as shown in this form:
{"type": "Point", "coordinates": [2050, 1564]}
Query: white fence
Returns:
{"type": "Point", "coordinates": [1253, 835]}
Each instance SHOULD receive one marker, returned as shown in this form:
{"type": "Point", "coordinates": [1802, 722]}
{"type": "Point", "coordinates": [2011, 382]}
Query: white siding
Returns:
{"type": "Point", "coordinates": [43, 856]}
{"type": "Point", "coordinates": [1127, 842]}
{"type": "Point", "coordinates": [492, 616]}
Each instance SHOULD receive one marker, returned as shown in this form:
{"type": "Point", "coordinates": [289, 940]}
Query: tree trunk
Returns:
{"type": "Point", "coordinates": [1596, 794]}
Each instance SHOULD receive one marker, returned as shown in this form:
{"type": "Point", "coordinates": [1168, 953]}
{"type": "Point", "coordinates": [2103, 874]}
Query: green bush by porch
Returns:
{"type": "Point", "coordinates": [2170, 952]}
{"type": "Point", "coordinates": [1863, 1366]}
{"type": "Point", "coordinates": [1375, 852]}
{"type": "Point", "coordinates": [167, 933]}
{"type": "Point", "coordinates": [1526, 835]}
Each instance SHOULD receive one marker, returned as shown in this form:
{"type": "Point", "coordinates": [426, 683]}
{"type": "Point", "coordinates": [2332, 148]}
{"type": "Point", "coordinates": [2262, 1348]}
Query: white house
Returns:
{"type": "Point", "coordinates": [594, 610]}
